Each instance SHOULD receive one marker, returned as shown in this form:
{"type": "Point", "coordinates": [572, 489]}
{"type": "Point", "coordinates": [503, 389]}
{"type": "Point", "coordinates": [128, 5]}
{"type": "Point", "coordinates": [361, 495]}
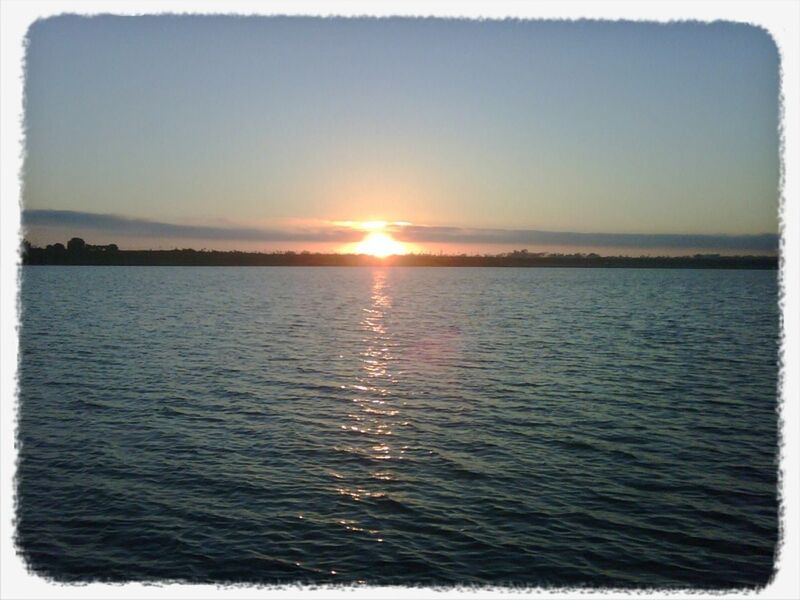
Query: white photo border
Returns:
{"type": "Point", "coordinates": [780, 18]}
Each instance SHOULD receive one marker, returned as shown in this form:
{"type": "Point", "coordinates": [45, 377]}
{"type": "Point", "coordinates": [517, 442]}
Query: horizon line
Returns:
{"type": "Point", "coordinates": [336, 232]}
{"type": "Point", "coordinates": [517, 253]}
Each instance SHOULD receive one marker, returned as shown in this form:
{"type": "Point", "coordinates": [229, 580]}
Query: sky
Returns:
{"type": "Point", "coordinates": [260, 133]}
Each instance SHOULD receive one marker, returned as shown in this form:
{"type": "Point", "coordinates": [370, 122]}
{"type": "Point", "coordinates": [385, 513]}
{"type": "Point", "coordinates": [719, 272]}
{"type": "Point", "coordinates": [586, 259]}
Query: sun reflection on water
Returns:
{"type": "Point", "coordinates": [371, 426]}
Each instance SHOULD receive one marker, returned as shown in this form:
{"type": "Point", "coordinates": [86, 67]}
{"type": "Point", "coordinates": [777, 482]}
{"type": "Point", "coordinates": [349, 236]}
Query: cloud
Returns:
{"type": "Point", "coordinates": [156, 229]}
{"type": "Point", "coordinates": [533, 237]}
{"type": "Point", "coordinates": [344, 232]}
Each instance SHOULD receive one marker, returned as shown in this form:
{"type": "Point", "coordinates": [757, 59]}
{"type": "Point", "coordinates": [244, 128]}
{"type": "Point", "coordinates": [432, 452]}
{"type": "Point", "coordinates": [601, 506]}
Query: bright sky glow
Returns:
{"type": "Point", "coordinates": [381, 245]}
{"type": "Point", "coordinates": [216, 129]}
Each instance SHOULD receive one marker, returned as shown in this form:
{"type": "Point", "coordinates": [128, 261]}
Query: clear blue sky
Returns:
{"type": "Point", "coordinates": [277, 126]}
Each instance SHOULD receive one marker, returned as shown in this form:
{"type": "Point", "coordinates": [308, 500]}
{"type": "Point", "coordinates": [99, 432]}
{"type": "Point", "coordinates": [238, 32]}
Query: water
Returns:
{"type": "Point", "coordinates": [570, 427]}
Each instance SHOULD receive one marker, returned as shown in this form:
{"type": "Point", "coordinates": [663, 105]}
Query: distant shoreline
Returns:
{"type": "Point", "coordinates": [78, 253]}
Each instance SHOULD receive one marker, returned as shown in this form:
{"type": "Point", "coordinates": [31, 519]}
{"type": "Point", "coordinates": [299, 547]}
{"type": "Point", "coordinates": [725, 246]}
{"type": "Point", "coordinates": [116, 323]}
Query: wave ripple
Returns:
{"type": "Point", "coordinates": [399, 426]}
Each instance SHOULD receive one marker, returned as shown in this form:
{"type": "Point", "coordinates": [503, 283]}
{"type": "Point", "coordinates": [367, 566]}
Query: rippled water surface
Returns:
{"type": "Point", "coordinates": [399, 426]}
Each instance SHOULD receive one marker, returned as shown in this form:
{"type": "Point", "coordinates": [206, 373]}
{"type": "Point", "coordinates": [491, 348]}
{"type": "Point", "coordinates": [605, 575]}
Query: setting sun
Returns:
{"type": "Point", "coordinates": [380, 244]}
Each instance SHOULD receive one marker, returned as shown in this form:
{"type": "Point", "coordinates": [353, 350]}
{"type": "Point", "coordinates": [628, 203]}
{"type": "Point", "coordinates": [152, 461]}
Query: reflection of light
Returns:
{"type": "Point", "coordinates": [373, 225]}
{"type": "Point", "coordinates": [373, 429]}
{"type": "Point", "coordinates": [380, 244]}
{"type": "Point", "coordinates": [360, 493]}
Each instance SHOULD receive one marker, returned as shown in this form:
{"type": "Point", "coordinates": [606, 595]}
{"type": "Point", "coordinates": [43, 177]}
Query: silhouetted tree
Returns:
{"type": "Point", "coordinates": [55, 254]}
{"type": "Point", "coordinates": [76, 245]}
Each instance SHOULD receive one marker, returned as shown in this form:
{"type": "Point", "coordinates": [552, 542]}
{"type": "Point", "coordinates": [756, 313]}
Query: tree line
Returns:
{"type": "Point", "coordinates": [78, 252]}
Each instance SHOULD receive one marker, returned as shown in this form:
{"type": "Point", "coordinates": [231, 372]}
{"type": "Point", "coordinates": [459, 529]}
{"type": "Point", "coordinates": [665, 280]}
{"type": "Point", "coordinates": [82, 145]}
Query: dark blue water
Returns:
{"type": "Point", "coordinates": [399, 426]}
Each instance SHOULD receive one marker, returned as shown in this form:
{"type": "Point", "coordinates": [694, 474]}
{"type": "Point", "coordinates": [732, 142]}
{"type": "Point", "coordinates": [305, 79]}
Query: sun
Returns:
{"type": "Point", "coordinates": [380, 245]}
{"type": "Point", "coordinates": [378, 240]}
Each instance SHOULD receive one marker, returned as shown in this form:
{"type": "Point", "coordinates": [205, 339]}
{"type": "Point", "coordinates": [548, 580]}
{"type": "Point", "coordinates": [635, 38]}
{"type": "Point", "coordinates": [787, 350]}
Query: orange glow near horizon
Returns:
{"type": "Point", "coordinates": [380, 245]}
{"type": "Point", "coordinates": [370, 225]}
{"type": "Point", "coordinates": [378, 240]}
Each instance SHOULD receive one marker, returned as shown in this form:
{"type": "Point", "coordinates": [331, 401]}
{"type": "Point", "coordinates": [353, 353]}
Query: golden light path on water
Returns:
{"type": "Point", "coordinates": [374, 415]}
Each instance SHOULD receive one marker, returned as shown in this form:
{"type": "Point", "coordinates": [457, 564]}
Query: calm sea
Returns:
{"type": "Point", "coordinates": [570, 427]}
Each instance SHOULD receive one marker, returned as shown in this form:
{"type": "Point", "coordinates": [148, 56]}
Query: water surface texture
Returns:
{"type": "Point", "coordinates": [569, 427]}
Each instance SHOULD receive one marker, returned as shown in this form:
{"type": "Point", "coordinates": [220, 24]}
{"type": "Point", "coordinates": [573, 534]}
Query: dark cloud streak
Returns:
{"type": "Point", "coordinates": [155, 229]}
{"type": "Point", "coordinates": [415, 233]}
{"type": "Point", "coordinates": [408, 233]}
